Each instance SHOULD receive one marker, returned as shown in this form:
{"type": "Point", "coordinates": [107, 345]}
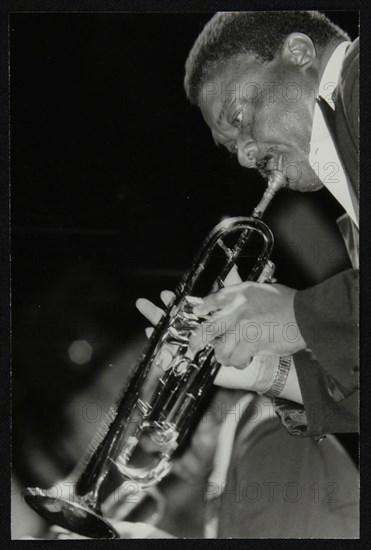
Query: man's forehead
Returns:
{"type": "Point", "coordinates": [215, 87]}
{"type": "Point", "coordinates": [210, 102]}
{"type": "Point", "coordinates": [215, 95]}
{"type": "Point", "coordinates": [211, 107]}
{"type": "Point", "coordinates": [213, 113]}
{"type": "Point", "coordinates": [227, 81]}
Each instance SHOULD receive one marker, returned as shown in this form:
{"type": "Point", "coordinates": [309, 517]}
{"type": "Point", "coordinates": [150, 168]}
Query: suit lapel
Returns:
{"type": "Point", "coordinates": [329, 116]}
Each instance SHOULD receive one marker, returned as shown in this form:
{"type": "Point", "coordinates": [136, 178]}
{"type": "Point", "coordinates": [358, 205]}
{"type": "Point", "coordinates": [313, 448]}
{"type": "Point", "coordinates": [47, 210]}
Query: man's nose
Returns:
{"type": "Point", "coordinates": [247, 151]}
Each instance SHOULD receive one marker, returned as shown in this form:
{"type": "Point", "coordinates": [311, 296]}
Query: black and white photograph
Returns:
{"type": "Point", "coordinates": [184, 274]}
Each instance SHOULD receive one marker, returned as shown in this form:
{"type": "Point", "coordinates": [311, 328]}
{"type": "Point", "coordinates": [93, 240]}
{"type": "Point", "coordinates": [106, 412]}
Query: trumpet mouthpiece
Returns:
{"type": "Point", "coordinates": [277, 179]}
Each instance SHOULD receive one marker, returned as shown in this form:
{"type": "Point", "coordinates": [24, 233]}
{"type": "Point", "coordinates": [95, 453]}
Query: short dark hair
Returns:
{"type": "Point", "coordinates": [260, 33]}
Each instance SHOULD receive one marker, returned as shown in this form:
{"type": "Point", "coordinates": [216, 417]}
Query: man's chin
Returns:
{"type": "Point", "coordinates": [301, 177]}
{"type": "Point", "coordinates": [307, 182]}
{"type": "Point", "coordinates": [306, 186]}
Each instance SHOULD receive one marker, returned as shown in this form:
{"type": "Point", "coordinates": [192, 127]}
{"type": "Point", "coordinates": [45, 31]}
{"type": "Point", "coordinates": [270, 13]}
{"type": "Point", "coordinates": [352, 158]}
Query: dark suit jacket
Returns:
{"type": "Point", "coordinates": [327, 314]}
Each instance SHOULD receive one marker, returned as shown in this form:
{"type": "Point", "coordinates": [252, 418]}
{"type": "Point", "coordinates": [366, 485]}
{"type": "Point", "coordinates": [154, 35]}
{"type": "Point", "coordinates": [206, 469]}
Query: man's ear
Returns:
{"type": "Point", "coordinates": [298, 49]}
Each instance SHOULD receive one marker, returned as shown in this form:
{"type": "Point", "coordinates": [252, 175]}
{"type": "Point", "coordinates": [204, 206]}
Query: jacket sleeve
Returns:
{"type": "Point", "coordinates": [327, 370]}
{"type": "Point", "coordinates": [327, 406]}
{"type": "Point", "coordinates": [327, 315]}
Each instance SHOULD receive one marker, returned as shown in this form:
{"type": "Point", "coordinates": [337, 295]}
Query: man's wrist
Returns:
{"type": "Point", "coordinates": [265, 369]}
{"type": "Point", "coordinates": [282, 373]}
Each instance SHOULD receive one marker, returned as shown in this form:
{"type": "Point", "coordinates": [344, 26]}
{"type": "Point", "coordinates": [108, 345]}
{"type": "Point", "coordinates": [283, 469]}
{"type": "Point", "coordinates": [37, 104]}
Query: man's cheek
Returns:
{"type": "Point", "coordinates": [293, 172]}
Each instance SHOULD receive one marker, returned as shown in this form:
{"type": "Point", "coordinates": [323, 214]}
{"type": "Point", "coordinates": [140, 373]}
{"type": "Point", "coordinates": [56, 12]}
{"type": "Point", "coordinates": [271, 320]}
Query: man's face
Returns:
{"type": "Point", "coordinates": [261, 112]}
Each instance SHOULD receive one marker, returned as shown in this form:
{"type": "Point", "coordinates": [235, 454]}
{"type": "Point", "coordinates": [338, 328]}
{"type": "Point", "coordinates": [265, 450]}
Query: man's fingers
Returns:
{"type": "Point", "coordinates": [206, 333]}
{"type": "Point", "coordinates": [149, 331]}
{"type": "Point", "coordinates": [211, 303]}
{"type": "Point", "coordinates": [167, 297]}
{"type": "Point", "coordinates": [225, 346]}
{"type": "Point", "coordinates": [149, 310]}
{"type": "Point", "coordinates": [152, 312]}
{"type": "Point", "coordinates": [128, 530]}
{"type": "Point", "coordinates": [233, 277]}
{"type": "Point", "coordinates": [58, 529]}
{"type": "Point", "coordinates": [229, 297]}
{"type": "Point", "coordinates": [229, 351]}
{"type": "Point", "coordinates": [63, 534]}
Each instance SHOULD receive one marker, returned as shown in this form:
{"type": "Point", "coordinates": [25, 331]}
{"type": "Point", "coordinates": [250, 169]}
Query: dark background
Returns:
{"type": "Point", "coordinates": [115, 182]}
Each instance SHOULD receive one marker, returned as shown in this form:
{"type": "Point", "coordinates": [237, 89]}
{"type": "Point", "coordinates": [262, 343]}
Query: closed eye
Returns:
{"type": "Point", "coordinates": [237, 120]}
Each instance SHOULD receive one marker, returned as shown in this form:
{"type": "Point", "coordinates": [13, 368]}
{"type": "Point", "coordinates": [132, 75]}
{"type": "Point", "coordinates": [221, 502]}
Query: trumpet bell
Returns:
{"type": "Point", "coordinates": [70, 515]}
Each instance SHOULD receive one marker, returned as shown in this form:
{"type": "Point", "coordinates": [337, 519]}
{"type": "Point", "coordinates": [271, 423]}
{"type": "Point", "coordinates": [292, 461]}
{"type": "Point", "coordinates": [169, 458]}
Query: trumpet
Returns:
{"type": "Point", "coordinates": [167, 386]}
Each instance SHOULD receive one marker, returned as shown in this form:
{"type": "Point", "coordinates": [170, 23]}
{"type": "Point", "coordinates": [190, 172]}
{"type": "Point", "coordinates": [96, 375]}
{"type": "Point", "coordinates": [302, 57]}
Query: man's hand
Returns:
{"type": "Point", "coordinates": [151, 312]}
{"type": "Point", "coordinates": [248, 319]}
{"type": "Point", "coordinates": [128, 530]}
{"type": "Point", "coordinates": [154, 313]}
{"type": "Point", "coordinates": [125, 529]}
{"type": "Point", "coordinates": [254, 378]}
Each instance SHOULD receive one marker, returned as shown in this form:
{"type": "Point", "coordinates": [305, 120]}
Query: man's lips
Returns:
{"type": "Point", "coordinates": [264, 163]}
{"type": "Point", "coordinates": [269, 163]}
